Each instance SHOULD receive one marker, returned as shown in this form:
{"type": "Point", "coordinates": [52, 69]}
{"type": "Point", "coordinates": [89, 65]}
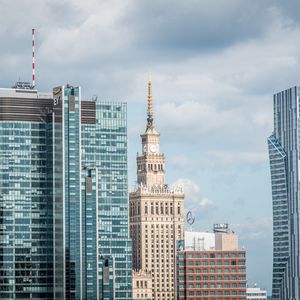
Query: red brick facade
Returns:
{"type": "Point", "coordinates": [211, 275]}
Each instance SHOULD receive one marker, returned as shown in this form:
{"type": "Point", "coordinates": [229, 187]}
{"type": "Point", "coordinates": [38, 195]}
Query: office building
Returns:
{"type": "Point", "coordinates": [284, 156]}
{"type": "Point", "coordinates": [156, 215]}
{"type": "Point", "coordinates": [63, 196]}
{"type": "Point", "coordinates": [26, 236]}
{"type": "Point", "coordinates": [211, 272]}
{"type": "Point", "coordinates": [255, 293]}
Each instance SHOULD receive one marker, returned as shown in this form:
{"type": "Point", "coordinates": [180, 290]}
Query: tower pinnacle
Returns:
{"type": "Point", "coordinates": [150, 110]}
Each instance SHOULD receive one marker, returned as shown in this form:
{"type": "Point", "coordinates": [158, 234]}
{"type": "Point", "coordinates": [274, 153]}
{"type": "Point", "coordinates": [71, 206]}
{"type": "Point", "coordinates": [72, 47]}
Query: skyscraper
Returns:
{"type": "Point", "coordinates": [156, 215]}
{"type": "Point", "coordinates": [63, 196]}
{"type": "Point", "coordinates": [26, 239]}
{"type": "Point", "coordinates": [284, 163]}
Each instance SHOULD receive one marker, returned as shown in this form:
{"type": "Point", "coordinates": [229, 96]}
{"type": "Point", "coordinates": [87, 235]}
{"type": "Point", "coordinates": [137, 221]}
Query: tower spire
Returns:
{"type": "Point", "coordinates": [150, 109]}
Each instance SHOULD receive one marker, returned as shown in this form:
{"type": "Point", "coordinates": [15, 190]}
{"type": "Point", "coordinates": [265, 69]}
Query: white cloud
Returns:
{"type": "Point", "coordinates": [194, 201]}
{"type": "Point", "coordinates": [254, 229]}
{"type": "Point", "coordinates": [234, 157]}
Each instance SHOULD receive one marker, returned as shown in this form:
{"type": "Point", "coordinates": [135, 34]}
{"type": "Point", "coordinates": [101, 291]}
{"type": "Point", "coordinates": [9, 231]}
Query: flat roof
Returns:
{"type": "Point", "coordinates": [24, 93]}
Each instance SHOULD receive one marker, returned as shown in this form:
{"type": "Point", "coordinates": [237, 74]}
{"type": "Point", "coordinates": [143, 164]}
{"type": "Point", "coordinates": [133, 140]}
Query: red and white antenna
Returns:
{"type": "Point", "coordinates": [33, 62]}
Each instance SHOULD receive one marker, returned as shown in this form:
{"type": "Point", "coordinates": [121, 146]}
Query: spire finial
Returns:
{"type": "Point", "coordinates": [150, 110]}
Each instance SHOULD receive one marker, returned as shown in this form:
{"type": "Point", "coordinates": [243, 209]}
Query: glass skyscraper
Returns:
{"type": "Point", "coordinates": [284, 163]}
{"type": "Point", "coordinates": [26, 236]}
{"type": "Point", "coordinates": [63, 197]}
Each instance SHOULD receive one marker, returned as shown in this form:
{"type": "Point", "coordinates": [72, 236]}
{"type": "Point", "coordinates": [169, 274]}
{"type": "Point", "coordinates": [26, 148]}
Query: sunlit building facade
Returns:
{"type": "Point", "coordinates": [284, 163]}
{"type": "Point", "coordinates": [156, 215]}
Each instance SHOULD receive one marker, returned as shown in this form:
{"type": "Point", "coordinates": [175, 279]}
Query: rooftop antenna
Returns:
{"type": "Point", "coordinates": [26, 85]}
{"type": "Point", "coordinates": [33, 60]}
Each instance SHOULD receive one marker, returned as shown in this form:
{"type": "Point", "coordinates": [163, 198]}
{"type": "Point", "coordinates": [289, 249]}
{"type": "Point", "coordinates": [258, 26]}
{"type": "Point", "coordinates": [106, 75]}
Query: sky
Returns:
{"type": "Point", "coordinates": [215, 65]}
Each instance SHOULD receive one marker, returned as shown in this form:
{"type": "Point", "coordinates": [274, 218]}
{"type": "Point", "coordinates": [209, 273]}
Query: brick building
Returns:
{"type": "Point", "coordinates": [215, 274]}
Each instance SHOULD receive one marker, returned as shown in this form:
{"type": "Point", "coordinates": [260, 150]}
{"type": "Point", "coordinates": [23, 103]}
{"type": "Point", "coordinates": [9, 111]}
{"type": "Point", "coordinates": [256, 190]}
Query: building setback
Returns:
{"type": "Point", "coordinates": [284, 163]}
{"type": "Point", "coordinates": [63, 196]}
{"type": "Point", "coordinates": [156, 215]}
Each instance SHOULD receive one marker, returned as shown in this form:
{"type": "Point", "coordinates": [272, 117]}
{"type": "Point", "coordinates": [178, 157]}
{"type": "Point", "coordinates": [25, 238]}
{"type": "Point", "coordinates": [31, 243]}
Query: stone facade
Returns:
{"type": "Point", "coordinates": [156, 215]}
{"type": "Point", "coordinates": [141, 285]}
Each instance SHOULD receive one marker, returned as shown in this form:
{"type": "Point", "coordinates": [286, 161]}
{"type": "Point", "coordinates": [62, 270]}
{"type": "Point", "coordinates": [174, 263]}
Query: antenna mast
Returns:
{"type": "Point", "coordinates": [33, 60]}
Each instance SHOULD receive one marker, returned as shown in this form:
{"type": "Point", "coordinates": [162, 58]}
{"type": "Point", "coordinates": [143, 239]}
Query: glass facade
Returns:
{"type": "Point", "coordinates": [284, 163]}
{"type": "Point", "coordinates": [63, 197]}
{"type": "Point", "coordinates": [25, 199]}
{"type": "Point", "coordinates": [104, 152]}
{"type": "Point", "coordinates": [67, 174]}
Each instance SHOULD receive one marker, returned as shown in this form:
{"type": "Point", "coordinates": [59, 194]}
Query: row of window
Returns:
{"type": "Point", "coordinates": [214, 263]}
{"type": "Point", "coordinates": [157, 209]}
{"type": "Point", "coordinates": [213, 293]}
{"type": "Point", "coordinates": [206, 278]}
{"type": "Point", "coordinates": [150, 167]}
{"type": "Point", "coordinates": [213, 285]}
{"type": "Point", "coordinates": [213, 255]}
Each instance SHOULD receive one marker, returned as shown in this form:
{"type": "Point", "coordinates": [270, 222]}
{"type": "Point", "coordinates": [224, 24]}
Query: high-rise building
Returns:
{"type": "Point", "coordinates": [26, 234]}
{"type": "Point", "coordinates": [284, 163]}
{"type": "Point", "coordinates": [156, 215]}
{"type": "Point", "coordinates": [208, 269]}
{"type": "Point", "coordinates": [63, 196]}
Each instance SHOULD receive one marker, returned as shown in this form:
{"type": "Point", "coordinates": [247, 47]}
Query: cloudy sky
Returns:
{"type": "Point", "coordinates": [215, 65]}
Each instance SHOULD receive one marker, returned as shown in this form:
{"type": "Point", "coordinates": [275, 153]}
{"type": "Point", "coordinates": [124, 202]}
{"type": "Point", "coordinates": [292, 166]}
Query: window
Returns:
{"type": "Point", "coordinates": [166, 209]}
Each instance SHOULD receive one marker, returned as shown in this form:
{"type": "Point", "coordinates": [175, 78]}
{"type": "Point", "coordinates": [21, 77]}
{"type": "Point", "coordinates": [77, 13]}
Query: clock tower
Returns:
{"type": "Point", "coordinates": [156, 217]}
{"type": "Point", "coordinates": [150, 164]}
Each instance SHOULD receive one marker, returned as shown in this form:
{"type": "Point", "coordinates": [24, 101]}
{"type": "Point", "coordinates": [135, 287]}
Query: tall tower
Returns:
{"type": "Point", "coordinates": [284, 162]}
{"type": "Point", "coordinates": [156, 214]}
{"type": "Point", "coordinates": [92, 249]}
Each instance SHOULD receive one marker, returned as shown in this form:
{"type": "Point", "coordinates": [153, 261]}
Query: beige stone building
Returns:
{"type": "Point", "coordinates": [156, 215]}
{"type": "Point", "coordinates": [141, 285]}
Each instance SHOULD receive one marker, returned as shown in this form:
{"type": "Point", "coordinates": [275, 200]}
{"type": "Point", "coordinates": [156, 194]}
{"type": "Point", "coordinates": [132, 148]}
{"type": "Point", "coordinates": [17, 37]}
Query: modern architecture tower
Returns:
{"type": "Point", "coordinates": [26, 233]}
{"type": "Point", "coordinates": [284, 163]}
{"type": "Point", "coordinates": [90, 198]}
{"type": "Point", "coordinates": [156, 214]}
{"type": "Point", "coordinates": [64, 230]}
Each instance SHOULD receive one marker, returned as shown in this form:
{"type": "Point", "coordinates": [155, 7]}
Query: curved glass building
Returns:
{"type": "Point", "coordinates": [284, 163]}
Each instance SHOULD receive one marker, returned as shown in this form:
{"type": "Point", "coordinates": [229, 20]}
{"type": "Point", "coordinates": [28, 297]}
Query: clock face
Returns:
{"type": "Point", "coordinates": [152, 148]}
